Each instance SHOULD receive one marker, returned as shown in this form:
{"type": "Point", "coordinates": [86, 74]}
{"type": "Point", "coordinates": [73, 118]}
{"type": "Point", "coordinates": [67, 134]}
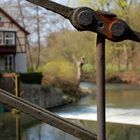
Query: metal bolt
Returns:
{"type": "Point", "coordinates": [85, 18]}
{"type": "Point", "coordinates": [118, 29]}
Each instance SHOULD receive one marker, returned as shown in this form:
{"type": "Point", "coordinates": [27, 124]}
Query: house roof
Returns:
{"type": "Point", "coordinates": [14, 21]}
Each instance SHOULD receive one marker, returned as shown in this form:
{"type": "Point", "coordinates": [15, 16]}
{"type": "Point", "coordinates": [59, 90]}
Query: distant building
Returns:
{"type": "Point", "coordinates": [13, 40]}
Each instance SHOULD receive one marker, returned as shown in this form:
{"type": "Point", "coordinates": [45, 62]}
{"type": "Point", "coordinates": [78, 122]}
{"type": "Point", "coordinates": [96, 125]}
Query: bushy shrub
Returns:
{"type": "Point", "coordinates": [58, 70]}
{"type": "Point", "coordinates": [111, 70]}
{"type": "Point", "coordinates": [88, 68]}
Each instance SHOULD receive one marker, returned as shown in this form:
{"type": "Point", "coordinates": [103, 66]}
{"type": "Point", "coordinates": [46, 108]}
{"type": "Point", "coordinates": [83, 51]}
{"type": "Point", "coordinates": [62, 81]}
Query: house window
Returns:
{"type": "Point", "coordinates": [9, 38]}
{"type": "Point", "coordinates": [9, 63]}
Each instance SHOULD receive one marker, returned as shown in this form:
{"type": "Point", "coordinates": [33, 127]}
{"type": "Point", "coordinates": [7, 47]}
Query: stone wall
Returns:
{"type": "Point", "coordinates": [46, 97]}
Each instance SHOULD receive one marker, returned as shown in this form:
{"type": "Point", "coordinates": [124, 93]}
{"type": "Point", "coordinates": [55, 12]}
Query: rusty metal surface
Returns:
{"type": "Point", "coordinates": [100, 70]}
{"type": "Point", "coordinates": [86, 19]}
{"type": "Point", "coordinates": [45, 116]}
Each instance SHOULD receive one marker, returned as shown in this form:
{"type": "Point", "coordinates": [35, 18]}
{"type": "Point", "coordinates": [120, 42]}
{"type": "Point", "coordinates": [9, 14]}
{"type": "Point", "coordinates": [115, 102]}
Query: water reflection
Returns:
{"type": "Point", "coordinates": [26, 128]}
{"type": "Point", "coordinates": [46, 132]}
{"type": "Point", "coordinates": [117, 95]}
{"type": "Point", "coordinates": [114, 132]}
{"type": "Point", "coordinates": [18, 126]}
{"type": "Point", "coordinates": [7, 127]}
{"type": "Point", "coordinates": [31, 129]}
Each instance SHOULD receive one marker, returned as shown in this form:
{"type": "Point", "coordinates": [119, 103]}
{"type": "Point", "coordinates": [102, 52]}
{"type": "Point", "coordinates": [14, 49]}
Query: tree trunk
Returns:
{"type": "Point", "coordinates": [126, 57]}
{"type": "Point", "coordinates": [79, 64]}
{"type": "Point", "coordinates": [28, 45]}
{"type": "Point", "coordinates": [38, 34]}
{"type": "Point", "coordinates": [119, 62]}
{"type": "Point", "coordinates": [133, 53]}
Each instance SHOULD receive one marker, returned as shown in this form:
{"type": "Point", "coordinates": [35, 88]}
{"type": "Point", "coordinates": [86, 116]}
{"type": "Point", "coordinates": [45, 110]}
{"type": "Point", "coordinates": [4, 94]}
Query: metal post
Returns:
{"type": "Point", "coordinates": [17, 112]}
{"type": "Point", "coordinates": [17, 86]}
{"type": "Point", "coordinates": [18, 125]}
{"type": "Point", "coordinates": [17, 91]}
{"type": "Point", "coordinates": [100, 81]}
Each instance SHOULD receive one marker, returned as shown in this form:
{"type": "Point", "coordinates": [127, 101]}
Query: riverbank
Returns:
{"type": "Point", "coordinates": [49, 96]}
{"type": "Point", "coordinates": [43, 95]}
{"type": "Point", "coordinates": [126, 77]}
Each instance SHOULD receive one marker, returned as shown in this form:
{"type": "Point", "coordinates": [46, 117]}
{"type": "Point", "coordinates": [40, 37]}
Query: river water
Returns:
{"type": "Point", "coordinates": [122, 115]}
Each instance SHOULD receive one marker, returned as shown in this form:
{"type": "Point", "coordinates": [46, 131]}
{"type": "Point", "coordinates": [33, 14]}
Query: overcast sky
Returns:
{"type": "Point", "coordinates": [61, 1]}
{"type": "Point", "coordinates": [66, 2]}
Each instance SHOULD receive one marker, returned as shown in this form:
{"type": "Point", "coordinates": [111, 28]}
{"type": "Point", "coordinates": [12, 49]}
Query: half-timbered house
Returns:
{"type": "Point", "coordinates": [13, 40]}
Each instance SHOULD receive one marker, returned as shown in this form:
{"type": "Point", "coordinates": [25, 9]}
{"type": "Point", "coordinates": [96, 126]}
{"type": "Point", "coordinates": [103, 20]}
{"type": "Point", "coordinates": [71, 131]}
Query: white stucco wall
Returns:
{"type": "Point", "coordinates": [21, 62]}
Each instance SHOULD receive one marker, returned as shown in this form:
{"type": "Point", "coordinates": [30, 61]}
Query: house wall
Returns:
{"type": "Point", "coordinates": [19, 59]}
{"type": "Point", "coordinates": [21, 36]}
{"type": "Point", "coordinates": [21, 62]}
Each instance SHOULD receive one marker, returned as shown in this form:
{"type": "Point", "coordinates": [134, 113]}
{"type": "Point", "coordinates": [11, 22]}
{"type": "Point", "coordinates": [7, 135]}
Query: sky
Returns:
{"type": "Point", "coordinates": [72, 3]}
{"type": "Point", "coordinates": [61, 1]}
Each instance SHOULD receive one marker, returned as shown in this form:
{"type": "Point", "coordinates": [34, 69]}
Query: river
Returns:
{"type": "Point", "coordinates": [122, 115]}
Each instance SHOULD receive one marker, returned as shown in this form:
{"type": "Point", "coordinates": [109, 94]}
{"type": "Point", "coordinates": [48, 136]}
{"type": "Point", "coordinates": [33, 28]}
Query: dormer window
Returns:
{"type": "Point", "coordinates": [7, 38]}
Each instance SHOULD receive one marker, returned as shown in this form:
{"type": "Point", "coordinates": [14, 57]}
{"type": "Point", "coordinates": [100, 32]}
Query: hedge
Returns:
{"type": "Point", "coordinates": [31, 78]}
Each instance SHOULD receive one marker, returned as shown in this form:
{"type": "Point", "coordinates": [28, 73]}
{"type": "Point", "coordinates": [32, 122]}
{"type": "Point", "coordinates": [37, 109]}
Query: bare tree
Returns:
{"type": "Point", "coordinates": [38, 35]}
{"type": "Point", "coordinates": [27, 41]}
{"type": "Point", "coordinates": [79, 64]}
